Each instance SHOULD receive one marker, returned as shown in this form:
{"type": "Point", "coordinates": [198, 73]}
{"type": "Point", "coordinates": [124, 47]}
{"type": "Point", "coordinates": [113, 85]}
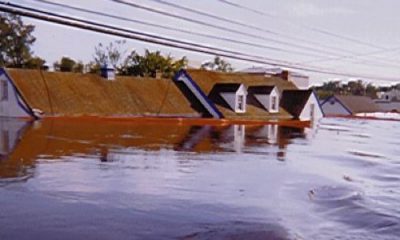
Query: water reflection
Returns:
{"type": "Point", "coordinates": [23, 143]}
{"type": "Point", "coordinates": [66, 179]}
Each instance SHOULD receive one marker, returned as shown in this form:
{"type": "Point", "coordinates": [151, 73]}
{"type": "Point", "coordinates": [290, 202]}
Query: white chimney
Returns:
{"type": "Point", "coordinates": [108, 72]}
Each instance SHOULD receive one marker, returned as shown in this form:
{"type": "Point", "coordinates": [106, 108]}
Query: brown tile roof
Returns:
{"type": "Point", "coordinates": [358, 104]}
{"type": "Point", "coordinates": [74, 94]}
{"type": "Point", "coordinates": [294, 101]}
{"type": "Point", "coordinates": [207, 79]}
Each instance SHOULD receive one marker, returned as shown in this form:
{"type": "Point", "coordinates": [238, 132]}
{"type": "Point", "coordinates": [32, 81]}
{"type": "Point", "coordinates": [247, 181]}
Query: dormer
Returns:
{"type": "Point", "coordinates": [266, 96]}
{"type": "Point", "coordinates": [232, 95]}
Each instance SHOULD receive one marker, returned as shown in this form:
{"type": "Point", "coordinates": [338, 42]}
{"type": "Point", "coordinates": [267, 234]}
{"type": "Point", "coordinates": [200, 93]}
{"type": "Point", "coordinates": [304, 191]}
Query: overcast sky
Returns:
{"type": "Point", "coordinates": [361, 37]}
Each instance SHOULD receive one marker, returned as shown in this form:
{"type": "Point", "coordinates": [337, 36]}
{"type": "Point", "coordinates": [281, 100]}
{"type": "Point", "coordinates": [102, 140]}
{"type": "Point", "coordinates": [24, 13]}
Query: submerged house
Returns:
{"type": "Point", "coordinates": [236, 96]}
{"type": "Point", "coordinates": [247, 96]}
{"type": "Point", "coordinates": [35, 93]}
{"type": "Point", "coordinates": [338, 105]}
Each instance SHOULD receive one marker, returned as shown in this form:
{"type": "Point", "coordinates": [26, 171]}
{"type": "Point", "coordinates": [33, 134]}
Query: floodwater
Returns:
{"type": "Point", "coordinates": [71, 179]}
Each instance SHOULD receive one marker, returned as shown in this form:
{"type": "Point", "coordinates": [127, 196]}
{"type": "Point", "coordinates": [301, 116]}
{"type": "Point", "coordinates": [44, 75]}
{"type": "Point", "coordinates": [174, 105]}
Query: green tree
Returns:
{"type": "Point", "coordinates": [15, 41]}
{"type": "Point", "coordinates": [218, 64]}
{"type": "Point", "coordinates": [67, 64]}
{"type": "Point", "coordinates": [151, 64]}
{"type": "Point", "coordinates": [36, 63]}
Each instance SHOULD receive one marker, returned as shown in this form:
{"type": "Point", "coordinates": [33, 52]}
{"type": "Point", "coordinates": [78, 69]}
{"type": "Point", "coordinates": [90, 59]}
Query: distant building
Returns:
{"type": "Point", "coordinates": [389, 101]}
{"type": "Point", "coordinates": [300, 80]}
{"type": "Point", "coordinates": [338, 105]}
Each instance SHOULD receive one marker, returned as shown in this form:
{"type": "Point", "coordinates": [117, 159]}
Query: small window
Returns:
{"type": "Point", "coordinates": [4, 91]}
{"type": "Point", "coordinates": [240, 104]}
{"type": "Point", "coordinates": [273, 106]}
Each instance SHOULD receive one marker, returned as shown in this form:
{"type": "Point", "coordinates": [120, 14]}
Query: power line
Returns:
{"type": "Point", "coordinates": [227, 29]}
{"type": "Point", "coordinates": [355, 56]}
{"type": "Point", "coordinates": [185, 31]}
{"type": "Point", "coordinates": [105, 29]}
{"type": "Point", "coordinates": [312, 28]}
{"type": "Point", "coordinates": [137, 33]}
{"type": "Point", "coordinates": [231, 40]}
{"type": "Point", "coordinates": [320, 31]}
{"type": "Point", "coordinates": [164, 13]}
{"type": "Point", "coordinates": [249, 26]}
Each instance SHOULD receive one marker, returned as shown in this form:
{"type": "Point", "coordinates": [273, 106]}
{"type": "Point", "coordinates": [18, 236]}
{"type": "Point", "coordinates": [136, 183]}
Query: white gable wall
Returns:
{"type": "Point", "coordinates": [274, 94]}
{"type": "Point", "coordinates": [311, 111]}
{"type": "Point", "coordinates": [334, 107]}
{"type": "Point", "coordinates": [241, 92]}
{"type": "Point", "coordinates": [9, 106]}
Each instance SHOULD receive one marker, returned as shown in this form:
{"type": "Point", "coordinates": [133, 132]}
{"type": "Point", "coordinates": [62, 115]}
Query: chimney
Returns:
{"type": "Point", "coordinates": [159, 74]}
{"type": "Point", "coordinates": [285, 75]}
{"type": "Point", "coordinates": [108, 72]}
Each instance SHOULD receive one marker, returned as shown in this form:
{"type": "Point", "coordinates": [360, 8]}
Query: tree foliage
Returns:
{"type": "Point", "coordinates": [111, 54]}
{"type": "Point", "coordinates": [151, 64]}
{"type": "Point", "coordinates": [218, 64]}
{"type": "Point", "coordinates": [16, 40]}
{"type": "Point", "coordinates": [357, 88]}
{"type": "Point", "coordinates": [67, 64]}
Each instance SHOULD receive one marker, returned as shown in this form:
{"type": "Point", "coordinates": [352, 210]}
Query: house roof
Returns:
{"type": "Point", "coordinates": [357, 104]}
{"type": "Point", "coordinates": [206, 80]}
{"type": "Point", "coordinates": [294, 101]}
{"type": "Point", "coordinates": [75, 94]}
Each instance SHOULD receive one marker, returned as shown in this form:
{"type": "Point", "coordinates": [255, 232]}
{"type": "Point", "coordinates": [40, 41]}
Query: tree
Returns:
{"type": "Point", "coordinates": [67, 64]}
{"type": "Point", "coordinates": [151, 64]}
{"type": "Point", "coordinates": [218, 64]}
{"type": "Point", "coordinates": [15, 41]}
{"type": "Point", "coordinates": [36, 63]}
{"type": "Point", "coordinates": [111, 54]}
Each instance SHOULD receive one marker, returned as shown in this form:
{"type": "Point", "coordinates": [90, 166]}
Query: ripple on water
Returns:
{"type": "Point", "coordinates": [350, 206]}
{"type": "Point", "coordinates": [239, 230]}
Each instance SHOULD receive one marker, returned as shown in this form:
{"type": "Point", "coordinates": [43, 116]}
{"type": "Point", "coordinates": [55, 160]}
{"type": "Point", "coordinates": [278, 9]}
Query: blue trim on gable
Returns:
{"type": "Point", "coordinates": [23, 105]}
{"type": "Point", "coordinates": [319, 104]}
{"type": "Point", "coordinates": [183, 72]}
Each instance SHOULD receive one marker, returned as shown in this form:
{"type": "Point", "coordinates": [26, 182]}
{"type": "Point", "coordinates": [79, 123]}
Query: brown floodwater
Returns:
{"type": "Point", "coordinates": [87, 179]}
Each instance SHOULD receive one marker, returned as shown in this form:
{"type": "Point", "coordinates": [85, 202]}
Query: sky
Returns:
{"type": "Point", "coordinates": [355, 37]}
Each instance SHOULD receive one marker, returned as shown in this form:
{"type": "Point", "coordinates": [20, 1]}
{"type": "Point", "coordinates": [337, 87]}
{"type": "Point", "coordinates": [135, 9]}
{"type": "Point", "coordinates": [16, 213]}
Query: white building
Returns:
{"type": "Point", "coordinates": [300, 80]}
{"type": "Point", "coordinates": [389, 101]}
